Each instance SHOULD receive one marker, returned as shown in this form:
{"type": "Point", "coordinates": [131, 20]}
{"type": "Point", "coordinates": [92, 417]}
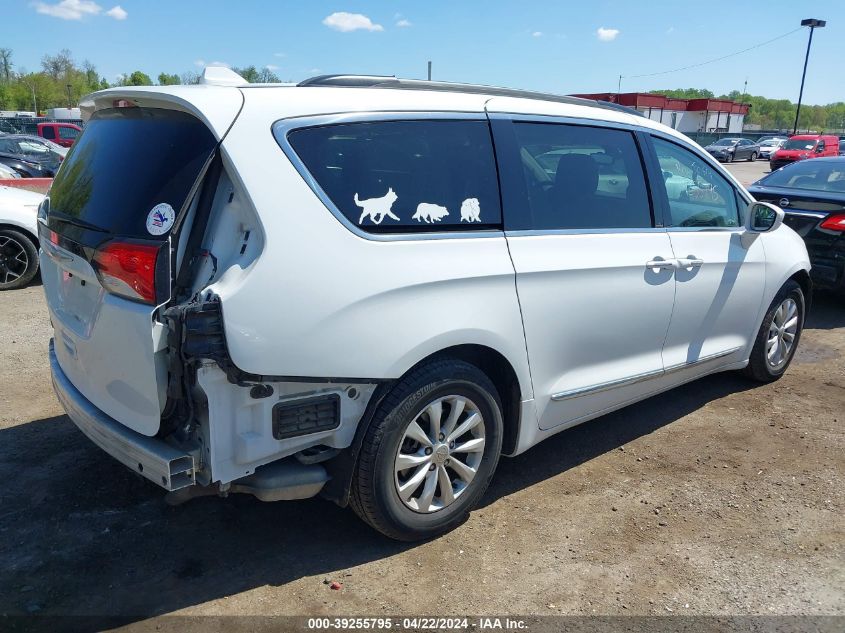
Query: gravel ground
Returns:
{"type": "Point", "coordinates": [721, 497]}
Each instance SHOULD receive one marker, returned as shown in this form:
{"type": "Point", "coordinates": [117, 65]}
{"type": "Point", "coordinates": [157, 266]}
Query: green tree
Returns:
{"type": "Point", "coordinates": [136, 78]}
{"type": "Point", "coordinates": [168, 80]}
{"type": "Point", "coordinates": [685, 93]}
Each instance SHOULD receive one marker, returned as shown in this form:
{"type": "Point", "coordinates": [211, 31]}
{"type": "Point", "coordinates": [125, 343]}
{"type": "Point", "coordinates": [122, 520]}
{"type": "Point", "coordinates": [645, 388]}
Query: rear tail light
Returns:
{"type": "Point", "coordinates": [834, 222]}
{"type": "Point", "coordinates": [128, 270]}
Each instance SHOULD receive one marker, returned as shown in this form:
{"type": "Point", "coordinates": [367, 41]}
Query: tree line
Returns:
{"type": "Point", "coordinates": [773, 114]}
{"type": "Point", "coordinates": [62, 81]}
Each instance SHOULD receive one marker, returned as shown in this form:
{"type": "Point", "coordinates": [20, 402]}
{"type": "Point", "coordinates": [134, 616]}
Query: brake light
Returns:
{"type": "Point", "coordinates": [128, 270]}
{"type": "Point", "coordinates": [834, 223]}
{"type": "Point", "coordinates": [123, 103]}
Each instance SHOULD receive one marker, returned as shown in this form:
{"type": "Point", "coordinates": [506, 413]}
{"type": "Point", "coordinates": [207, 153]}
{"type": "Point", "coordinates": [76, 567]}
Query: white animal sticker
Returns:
{"type": "Point", "coordinates": [377, 208]}
{"type": "Point", "coordinates": [470, 210]}
{"type": "Point", "coordinates": [160, 219]}
{"type": "Point", "coordinates": [428, 213]}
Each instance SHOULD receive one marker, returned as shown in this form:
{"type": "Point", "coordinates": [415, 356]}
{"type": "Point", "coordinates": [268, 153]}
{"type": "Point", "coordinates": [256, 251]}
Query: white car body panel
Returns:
{"type": "Point", "coordinates": [313, 307]}
{"type": "Point", "coordinates": [19, 208]}
{"type": "Point", "coordinates": [593, 313]}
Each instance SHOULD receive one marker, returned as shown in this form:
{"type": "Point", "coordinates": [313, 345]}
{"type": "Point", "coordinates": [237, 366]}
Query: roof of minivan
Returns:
{"type": "Point", "coordinates": [217, 104]}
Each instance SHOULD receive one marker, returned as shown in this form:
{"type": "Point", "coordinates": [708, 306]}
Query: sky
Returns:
{"type": "Point", "coordinates": [559, 46]}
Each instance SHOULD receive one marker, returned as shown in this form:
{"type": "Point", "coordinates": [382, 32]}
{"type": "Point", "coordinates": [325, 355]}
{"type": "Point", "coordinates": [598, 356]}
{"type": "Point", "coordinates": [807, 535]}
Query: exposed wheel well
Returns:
{"type": "Point", "coordinates": [503, 376]}
{"type": "Point", "coordinates": [21, 230]}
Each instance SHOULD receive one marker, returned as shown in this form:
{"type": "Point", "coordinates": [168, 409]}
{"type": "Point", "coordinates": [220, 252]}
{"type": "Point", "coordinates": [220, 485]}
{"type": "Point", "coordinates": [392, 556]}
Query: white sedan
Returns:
{"type": "Point", "coordinates": [18, 236]}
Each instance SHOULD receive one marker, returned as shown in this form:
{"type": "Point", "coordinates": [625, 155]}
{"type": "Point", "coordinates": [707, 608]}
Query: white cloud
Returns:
{"type": "Point", "coordinates": [117, 12]}
{"type": "Point", "coordinates": [403, 23]}
{"type": "Point", "coordinates": [280, 55]}
{"type": "Point", "coordinates": [537, 34]}
{"type": "Point", "coordinates": [68, 9]}
{"type": "Point", "coordinates": [607, 35]}
{"type": "Point", "coordinates": [199, 62]}
{"type": "Point", "coordinates": [346, 22]}
{"type": "Point", "coordinates": [271, 67]}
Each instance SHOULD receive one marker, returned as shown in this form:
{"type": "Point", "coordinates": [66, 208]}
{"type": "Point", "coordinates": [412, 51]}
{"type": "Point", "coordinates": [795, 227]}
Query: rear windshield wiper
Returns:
{"type": "Point", "coordinates": [68, 219]}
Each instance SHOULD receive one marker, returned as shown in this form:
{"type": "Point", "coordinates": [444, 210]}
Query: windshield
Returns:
{"type": "Point", "coordinates": [769, 141]}
{"type": "Point", "coordinates": [800, 143]}
{"type": "Point", "coordinates": [818, 175]}
{"type": "Point", "coordinates": [126, 163]}
{"type": "Point", "coordinates": [725, 141]}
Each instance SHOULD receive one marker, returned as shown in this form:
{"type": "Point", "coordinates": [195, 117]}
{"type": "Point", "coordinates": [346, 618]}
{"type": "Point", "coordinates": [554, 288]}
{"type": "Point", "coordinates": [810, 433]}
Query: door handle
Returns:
{"type": "Point", "coordinates": [662, 263]}
{"type": "Point", "coordinates": [690, 262]}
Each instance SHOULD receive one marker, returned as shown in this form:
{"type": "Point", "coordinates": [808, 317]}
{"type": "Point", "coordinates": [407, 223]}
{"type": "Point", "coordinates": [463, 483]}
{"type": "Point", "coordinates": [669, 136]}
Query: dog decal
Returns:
{"type": "Point", "coordinates": [377, 208]}
{"type": "Point", "coordinates": [470, 210]}
{"type": "Point", "coordinates": [428, 213]}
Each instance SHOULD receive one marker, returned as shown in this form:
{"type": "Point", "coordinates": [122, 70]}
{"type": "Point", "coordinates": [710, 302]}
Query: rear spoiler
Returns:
{"type": "Point", "coordinates": [216, 106]}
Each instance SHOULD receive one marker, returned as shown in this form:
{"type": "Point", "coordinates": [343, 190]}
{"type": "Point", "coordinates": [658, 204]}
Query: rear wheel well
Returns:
{"type": "Point", "coordinates": [503, 376]}
{"type": "Point", "coordinates": [21, 230]}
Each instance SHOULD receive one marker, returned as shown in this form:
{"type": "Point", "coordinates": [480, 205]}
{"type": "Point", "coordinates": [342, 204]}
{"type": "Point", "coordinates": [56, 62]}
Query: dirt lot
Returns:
{"type": "Point", "coordinates": [721, 497]}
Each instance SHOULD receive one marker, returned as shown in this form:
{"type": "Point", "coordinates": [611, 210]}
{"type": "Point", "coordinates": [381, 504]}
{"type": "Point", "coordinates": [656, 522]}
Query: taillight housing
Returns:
{"type": "Point", "coordinates": [128, 269]}
{"type": "Point", "coordinates": [834, 223]}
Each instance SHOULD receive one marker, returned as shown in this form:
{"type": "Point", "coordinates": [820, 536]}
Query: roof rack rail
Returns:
{"type": "Point", "coordinates": [390, 81]}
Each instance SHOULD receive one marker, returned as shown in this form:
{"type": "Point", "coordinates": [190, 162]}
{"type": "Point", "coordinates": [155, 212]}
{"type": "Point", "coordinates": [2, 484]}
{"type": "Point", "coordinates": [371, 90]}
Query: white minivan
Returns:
{"type": "Point", "coordinates": [370, 288]}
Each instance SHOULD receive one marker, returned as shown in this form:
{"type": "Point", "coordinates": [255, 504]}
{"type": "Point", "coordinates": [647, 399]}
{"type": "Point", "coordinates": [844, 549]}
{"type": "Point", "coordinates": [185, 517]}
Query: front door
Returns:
{"type": "Point", "coordinates": [721, 267]}
{"type": "Point", "coordinates": [594, 275]}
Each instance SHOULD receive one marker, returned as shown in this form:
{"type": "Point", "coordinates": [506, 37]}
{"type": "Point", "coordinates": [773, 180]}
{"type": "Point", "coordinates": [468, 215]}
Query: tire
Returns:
{"type": "Point", "coordinates": [728, 158]}
{"type": "Point", "coordinates": [759, 367]}
{"type": "Point", "coordinates": [753, 157]}
{"type": "Point", "coordinates": [376, 482]}
{"type": "Point", "coordinates": [18, 259]}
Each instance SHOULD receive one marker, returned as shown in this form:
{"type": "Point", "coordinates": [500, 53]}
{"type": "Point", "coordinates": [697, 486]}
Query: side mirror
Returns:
{"type": "Point", "coordinates": [762, 217]}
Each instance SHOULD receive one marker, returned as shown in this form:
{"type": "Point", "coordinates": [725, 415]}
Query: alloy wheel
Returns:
{"type": "Point", "coordinates": [782, 333]}
{"type": "Point", "coordinates": [14, 259]}
{"type": "Point", "coordinates": [439, 454]}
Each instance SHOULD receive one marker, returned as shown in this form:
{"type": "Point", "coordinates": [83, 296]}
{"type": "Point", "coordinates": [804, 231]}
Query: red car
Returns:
{"type": "Point", "coordinates": [62, 133]}
{"type": "Point", "coordinates": [803, 146]}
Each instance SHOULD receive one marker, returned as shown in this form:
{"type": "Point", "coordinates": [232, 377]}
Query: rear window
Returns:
{"type": "Point", "coordinates": [126, 163]}
{"type": "Point", "coordinates": [405, 176]}
{"type": "Point", "coordinates": [818, 175]}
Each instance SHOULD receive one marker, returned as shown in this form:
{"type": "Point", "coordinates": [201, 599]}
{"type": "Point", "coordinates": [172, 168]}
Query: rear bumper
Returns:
{"type": "Point", "coordinates": [156, 460]}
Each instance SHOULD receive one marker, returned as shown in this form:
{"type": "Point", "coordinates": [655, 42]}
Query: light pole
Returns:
{"type": "Point", "coordinates": [34, 103]}
{"type": "Point", "coordinates": [814, 24]}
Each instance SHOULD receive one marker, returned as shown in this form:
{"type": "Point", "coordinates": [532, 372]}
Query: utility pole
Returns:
{"type": "Point", "coordinates": [429, 70]}
{"type": "Point", "coordinates": [813, 24]}
{"type": "Point", "coordinates": [619, 85]}
{"type": "Point", "coordinates": [34, 103]}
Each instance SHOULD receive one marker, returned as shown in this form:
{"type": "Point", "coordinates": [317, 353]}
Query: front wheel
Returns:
{"type": "Point", "coordinates": [18, 259]}
{"type": "Point", "coordinates": [778, 336]}
{"type": "Point", "coordinates": [430, 451]}
{"type": "Point", "coordinates": [753, 157]}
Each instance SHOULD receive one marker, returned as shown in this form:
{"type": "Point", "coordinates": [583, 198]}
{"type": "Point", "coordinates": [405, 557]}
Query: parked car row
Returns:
{"type": "Point", "coordinates": [778, 150]}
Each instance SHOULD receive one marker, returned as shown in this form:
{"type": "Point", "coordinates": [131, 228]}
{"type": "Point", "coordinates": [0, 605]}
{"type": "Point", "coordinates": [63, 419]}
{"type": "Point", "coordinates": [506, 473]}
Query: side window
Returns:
{"type": "Point", "coordinates": [48, 131]}
{"type": "Point", "coordinates": [820, 147]}
{"type": "Point", "coordinates": [405, 176]}
{"type": "Point", "coordinates": [698, 194]}
{"type": "Point", "coordinates": [581, 177]}
{"type": "Point", "coordinates": [68, 133]}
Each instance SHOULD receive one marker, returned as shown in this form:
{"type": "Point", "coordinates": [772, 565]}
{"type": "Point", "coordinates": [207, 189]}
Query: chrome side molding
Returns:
{"type": "Point", "coordinates": [631, 380]}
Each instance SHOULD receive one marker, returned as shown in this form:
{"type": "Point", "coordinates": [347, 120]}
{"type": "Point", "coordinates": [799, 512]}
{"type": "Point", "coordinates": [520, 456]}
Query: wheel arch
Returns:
{"type": "Point", "coordinates": [20, 229]}
{"type": "Point", "coordinates": [805, 281]}
{"type": "Point", "coordinates": [490, 361]}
